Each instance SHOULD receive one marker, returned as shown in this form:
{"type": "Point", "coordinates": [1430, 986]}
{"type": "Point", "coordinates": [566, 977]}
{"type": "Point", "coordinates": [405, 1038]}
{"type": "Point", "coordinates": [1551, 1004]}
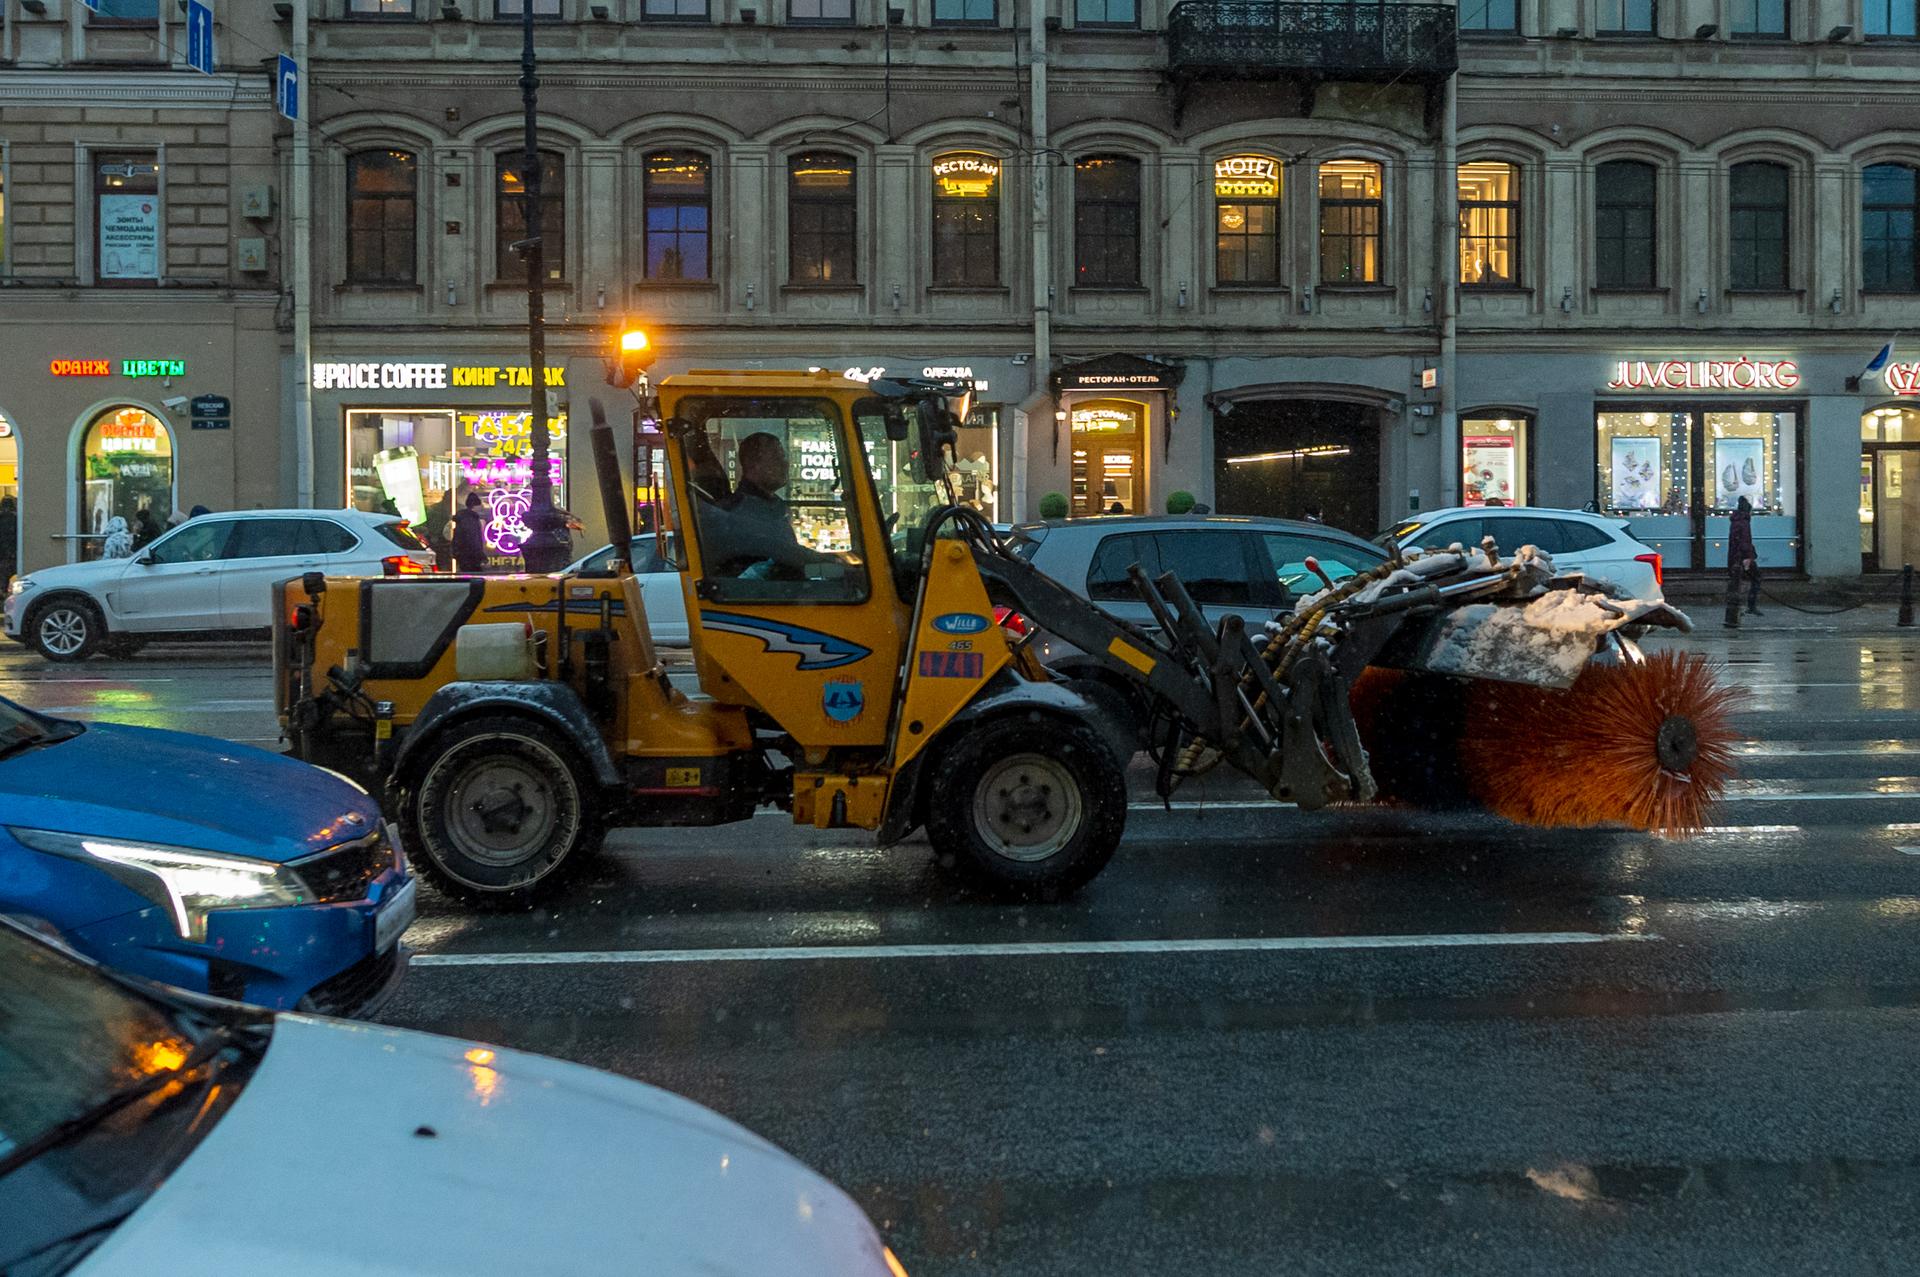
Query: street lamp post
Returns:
{"type": "Point", "coordinates": [548, 547]}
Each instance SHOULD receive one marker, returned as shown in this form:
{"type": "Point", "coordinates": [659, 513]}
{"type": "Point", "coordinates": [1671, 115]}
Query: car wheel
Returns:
{"type": "Point", "coordinates": [1031, 807]}
{"type": "Point", "coordinates": [497, 810]}
{"type": "Point", "coordinates": [65, 629]}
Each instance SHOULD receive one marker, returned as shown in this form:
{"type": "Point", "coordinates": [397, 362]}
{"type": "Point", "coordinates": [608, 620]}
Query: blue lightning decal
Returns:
{"type": "Point", "coordinates": [816, 651]}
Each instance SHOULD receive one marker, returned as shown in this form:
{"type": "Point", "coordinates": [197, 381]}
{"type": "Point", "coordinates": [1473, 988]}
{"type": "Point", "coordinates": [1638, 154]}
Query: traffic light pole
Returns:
{"type": "Point", "coordinates": [548, 548]}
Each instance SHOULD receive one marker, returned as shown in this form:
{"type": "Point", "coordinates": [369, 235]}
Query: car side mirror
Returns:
{"type": "Point", "coordinates": [146, 560]}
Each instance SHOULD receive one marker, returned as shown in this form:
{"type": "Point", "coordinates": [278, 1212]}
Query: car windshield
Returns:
{"type": "Point", "coordinates": [71, 1041]}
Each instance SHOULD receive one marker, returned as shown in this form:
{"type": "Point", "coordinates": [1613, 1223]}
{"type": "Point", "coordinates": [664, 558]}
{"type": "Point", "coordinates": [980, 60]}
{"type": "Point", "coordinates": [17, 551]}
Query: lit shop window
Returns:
{"type": "Point", "coordinates": [126, 472]}
{"type": "Point", "coordinates": [1645, 460]}
{"type": "Point", "coordinates": [1493, 461]}
{"type": "Point", "coordinates": [1751, 454]}
{"type": "Point", "coordinates": [421, 463]}
{"type": "Point", "coordinates": [1246, 209]}
{"type": "Point", "coordinates": [1489, 224]}
{"type": "Point", "coordinates": [9, 473]}
{"type": "Point", "coordinates": [1109, 456]}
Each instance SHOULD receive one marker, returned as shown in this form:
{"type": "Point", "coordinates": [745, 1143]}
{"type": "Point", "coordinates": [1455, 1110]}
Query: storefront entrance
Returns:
{"type": "Point", "coordinates": [1676, 472]}
{"type": "Point", "coordinates": [1285, 458]}
{"type": "Point", "coordinates": [125, 473]}
{"type": "Point", "coordinates": [1889, 489]}
{"type": "Point", "coordinates": [1109, 457]}
{"type": "Point", "coordinates": [10, 528]}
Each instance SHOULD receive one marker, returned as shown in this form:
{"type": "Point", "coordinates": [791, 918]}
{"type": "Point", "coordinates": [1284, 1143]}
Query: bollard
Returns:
{"type": "Point", "coordinates": [1733, 600]}
{"type": "Point", "coordinates": [1906, 595]}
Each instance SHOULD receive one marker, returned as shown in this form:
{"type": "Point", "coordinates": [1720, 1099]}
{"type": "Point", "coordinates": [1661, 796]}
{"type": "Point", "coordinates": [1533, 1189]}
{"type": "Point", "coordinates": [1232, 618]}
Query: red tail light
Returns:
{"type": "Point", "coordinates": [1659, 576]}
{"type": "Point", "coordinates": [1011, 621]}
{"type": "Point", "coordinates": [403, 565]}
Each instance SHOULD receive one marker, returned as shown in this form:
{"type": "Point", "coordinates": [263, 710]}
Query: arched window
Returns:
{"type": "Point", "coordinates": [382, 217]}
{"type": "Point", "coordinates": [679, 216]}
{"type": "Point", "coordinates": [1757, 215]}
{"type": "Point", "coordinates": [1489, 194]}
{"type": "Point", "coordinates": [125, 472]}
{"type": "Point", "coordinates": [1246, 220]}
{"type": "Point", "coordinates": [1888, 213]}
{"type": "Point", "coordinates": [510, 215]}
{"type": "Point", "coordinates": [1624, 225]}
{"type": "Point", "coordinates": [966, 219]}
{"type": "Point", "coordinates": [1106, 222]}
{"type": "Point", "coordinates": [1352, 210]}
{"type": "Point", "coordinates": [823, 239]}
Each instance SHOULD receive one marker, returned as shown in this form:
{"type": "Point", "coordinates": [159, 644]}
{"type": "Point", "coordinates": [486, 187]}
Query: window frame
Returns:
{"type": "Point", "coordinates": [96, 19]}
{"type": "Point", "coordinates": [1081, 238]}
{"type": "Point", "coordinates": [354, 14]}
{"type": "Point", "coordinates": [1620, 6]}
{"type": "Point", "coordinates": [649, 198]}
{"type": "Point", "coordinates": [1083, 24]}
{"type": "Point", "coordinates": [553, 200]}
{"type": "Point", "coordinates": [796, 200]}
{"type": "Point", "coordinates": [1652, 208]}
{"type": "Point", "coordinates": [1492, 32]}
{"type": "Point", "coordinates": [1277, 202]}
{"type": "Point", "coordinates": [991, 205]}
{"type": "Point", "coordinates": [559, 7]}
{"type": "Point", "coordinates": [1911, 208]}
{"type": "Point", "coordinates": [95, 157]}
{"type": "Point", "coordinates": [689, 19]}
{"type": "Point", "coordinates": [1784, 211]}
{"type": "Point", "coordinates": [1378, 204]}
{"type": "Point", "coordinates": [1514, 206]}
{"type": "Point", "coordinates": [795, 21]}
{"type": "Point", "coordinates": [993, 20]}
{"type": "Point", "coordinates": [1913, 21]}
{"type": "Point", "coordinates": [350, 277]}
{"type": "Point", "coordinates": [1736, 9]}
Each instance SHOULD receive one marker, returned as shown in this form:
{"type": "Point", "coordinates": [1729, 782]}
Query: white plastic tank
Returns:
{"type": "Point", "coordinates": [494, 652]}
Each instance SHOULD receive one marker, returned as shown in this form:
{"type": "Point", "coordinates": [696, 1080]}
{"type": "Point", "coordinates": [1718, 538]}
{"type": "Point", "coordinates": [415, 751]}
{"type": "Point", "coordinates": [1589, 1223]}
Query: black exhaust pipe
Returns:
{"type": "Point", "coordinates": [613, 493]}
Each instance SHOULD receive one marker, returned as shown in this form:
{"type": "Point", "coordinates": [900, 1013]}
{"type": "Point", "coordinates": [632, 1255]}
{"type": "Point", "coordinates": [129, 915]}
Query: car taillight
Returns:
{"type": "Point", "coordinates": [1659, 577]}
{"type": "Point", "coordinates": [1011, 621]}
{"type": "Point", "coordinates": [402, 565]}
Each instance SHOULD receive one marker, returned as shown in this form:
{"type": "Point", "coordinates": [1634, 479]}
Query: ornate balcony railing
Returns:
{"type": "Point", "coordinates": [1274, 39]}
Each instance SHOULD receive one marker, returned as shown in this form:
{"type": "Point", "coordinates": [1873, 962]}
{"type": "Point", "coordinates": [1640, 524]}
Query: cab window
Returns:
{"type": "Point", "coordinates": [193, 542]}
{"type": "Point", "coordinates": [772, 501]}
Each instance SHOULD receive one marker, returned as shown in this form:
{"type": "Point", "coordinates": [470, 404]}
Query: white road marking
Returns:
{"type": "Point", "coordinates": [1911, 851]}
{"type": "Point", "coordinates": [1814, 798]}
{"type": "Point", "coordinates": [1037, 949]}
{"type": "Point", "coordinates": [181, 711]}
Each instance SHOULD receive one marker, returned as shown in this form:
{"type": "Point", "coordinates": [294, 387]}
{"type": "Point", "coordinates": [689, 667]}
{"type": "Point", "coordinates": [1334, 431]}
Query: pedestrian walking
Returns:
{"type": "Point", "coordinates": [1741, 559]}
{"type": "Point", "coordinates": [469, 537]}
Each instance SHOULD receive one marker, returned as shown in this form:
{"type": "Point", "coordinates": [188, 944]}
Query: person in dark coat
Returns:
{"type": "Point", "coordinates": [146, 529]}
{"type": "Point", "coordinates": [1741, 559]}
{"type": "Point", "coordinates": [469, 537]}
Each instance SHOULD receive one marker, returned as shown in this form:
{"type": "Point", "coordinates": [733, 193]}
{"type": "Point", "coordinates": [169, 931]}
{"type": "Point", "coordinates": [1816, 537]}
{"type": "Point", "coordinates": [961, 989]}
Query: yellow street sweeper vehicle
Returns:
{"type": "Point", "coordinates": [851, 671]}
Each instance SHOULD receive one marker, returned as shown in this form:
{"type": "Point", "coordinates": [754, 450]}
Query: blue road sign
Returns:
{"type": "Point", "coordinates": [200, 36]}
{"type": "Point", "coordinates": [286, 91]}
{"type": "Point", "coordinates": [92, 5]}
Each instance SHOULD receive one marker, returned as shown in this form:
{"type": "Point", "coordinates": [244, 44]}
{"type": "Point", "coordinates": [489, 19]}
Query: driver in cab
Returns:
{"type": "Point", "coordinates": [750, 532]}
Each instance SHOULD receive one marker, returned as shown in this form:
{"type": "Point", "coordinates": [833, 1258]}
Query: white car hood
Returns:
{"type": "Point", "coordinates": [534, 1165]}
{"type": "Point", "coordinates": [92, 574]}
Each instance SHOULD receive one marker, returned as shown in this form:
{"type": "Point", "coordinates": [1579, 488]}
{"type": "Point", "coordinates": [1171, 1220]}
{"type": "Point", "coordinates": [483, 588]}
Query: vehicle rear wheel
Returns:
{"type": "Point", "coordinates": [497, 810]}
{"type": "Point", "coordinates": [1031, 807]}
{"type": "Point", "coordinates": [65, 629]}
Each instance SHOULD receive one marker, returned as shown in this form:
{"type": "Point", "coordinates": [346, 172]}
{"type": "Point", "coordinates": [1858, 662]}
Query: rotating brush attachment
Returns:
{"type": "Point", "coordinates": [1646, 743]}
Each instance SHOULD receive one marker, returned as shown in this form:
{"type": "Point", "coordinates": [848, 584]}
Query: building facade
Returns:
{"type": "Point", "coordinates": [140, 352]}
{"type": "Point", "coordinates": [1279, 256]}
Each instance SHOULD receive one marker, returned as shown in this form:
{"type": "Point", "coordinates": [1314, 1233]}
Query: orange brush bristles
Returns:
{"type": "Point", "coordinates": [1591, 755]}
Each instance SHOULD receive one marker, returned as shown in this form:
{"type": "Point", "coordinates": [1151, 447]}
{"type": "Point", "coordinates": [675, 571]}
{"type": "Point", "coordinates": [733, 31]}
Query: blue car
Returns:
{"type": "Point", "coordinates": [201, 864]}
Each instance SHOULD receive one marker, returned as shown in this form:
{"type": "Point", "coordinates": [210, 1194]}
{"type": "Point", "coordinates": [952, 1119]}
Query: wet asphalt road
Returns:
{"type": "Point", "coordinates": [1264, 1041]}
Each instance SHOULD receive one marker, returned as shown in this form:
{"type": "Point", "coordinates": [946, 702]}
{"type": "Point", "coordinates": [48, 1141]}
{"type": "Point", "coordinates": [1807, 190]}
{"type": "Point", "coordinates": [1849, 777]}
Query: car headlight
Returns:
{"type": "Point", "coordinates": [188, 883]}
{"type": "Point", "coordinates": [20, 585]}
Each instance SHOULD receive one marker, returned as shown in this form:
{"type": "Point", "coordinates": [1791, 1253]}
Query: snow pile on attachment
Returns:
{"type": "Point", "coordinates": [1644, 743]}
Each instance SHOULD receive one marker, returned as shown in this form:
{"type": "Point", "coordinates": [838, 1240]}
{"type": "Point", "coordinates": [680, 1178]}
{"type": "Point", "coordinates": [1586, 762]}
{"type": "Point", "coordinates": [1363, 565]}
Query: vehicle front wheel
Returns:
{"type": "Point", "coordinates": [497, 810]}
{"type": "Point", "coordinates": [1029, 806]}
{"type": "Point", "coordinates": [65, 629]}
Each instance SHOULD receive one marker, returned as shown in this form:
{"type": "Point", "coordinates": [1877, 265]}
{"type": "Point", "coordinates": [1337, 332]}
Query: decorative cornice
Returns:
{"type": "Point", "coordinates": [157, 89]}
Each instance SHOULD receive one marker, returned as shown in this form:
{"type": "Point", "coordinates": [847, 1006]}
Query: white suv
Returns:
{"type": "Point", "coordinates": [210, 577]}
{"type": "Point", "coordinates": [1599, 546]}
